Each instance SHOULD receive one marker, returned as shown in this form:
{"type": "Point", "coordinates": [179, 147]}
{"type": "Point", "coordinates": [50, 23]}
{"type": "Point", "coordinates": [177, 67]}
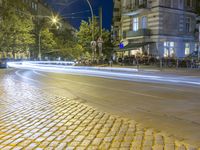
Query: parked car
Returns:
{"type": "Point", "coordinates": [3, 63]}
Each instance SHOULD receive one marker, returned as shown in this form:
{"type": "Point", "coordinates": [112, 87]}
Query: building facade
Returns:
{"type": "Point", "coordinates": [160, 28]}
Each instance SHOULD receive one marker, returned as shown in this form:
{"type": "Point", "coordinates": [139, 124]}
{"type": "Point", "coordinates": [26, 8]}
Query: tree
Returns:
{"type": "Point", "coordinates": [16, 28]}
{"type": "Point", "coordinates": [71, 50]}
{"type": "Point", "coordinates": [47, 40]}
{"type": "Point", "coordinates": [84, 36]}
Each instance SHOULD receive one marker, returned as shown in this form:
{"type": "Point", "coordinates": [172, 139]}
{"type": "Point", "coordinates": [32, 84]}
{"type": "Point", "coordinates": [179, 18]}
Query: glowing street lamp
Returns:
{"type": "Point", "coordinates": [54, 21]}
{"type": "Point", "coordinates": [93, 42]}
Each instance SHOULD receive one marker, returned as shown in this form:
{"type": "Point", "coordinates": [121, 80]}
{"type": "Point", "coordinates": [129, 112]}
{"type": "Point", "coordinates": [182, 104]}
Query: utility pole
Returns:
{"type": "Point", "coordinates": [39, 46]}
{"type": "Point", "coordinates": [100, 39]}
{"type": "Point", "coordinates": [199, 44]}
{"type": "Point", "coordinates": [100, 20]}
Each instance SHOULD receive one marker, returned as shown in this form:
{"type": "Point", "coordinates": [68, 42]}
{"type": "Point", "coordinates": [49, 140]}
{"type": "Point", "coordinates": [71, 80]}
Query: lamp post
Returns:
{"type": "Point", "coordinates": [92, 14]}
{"type": "Point", "coordinates": [199, 45]}
{"type": "Point", "coordinates": [54, 20]}
{"type": "Point", "coordinates": [93, 42]}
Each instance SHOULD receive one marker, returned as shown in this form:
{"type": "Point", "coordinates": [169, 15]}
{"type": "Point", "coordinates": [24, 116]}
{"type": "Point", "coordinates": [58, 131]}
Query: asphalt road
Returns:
{"type": "Point", "coordinates": [171, 108]}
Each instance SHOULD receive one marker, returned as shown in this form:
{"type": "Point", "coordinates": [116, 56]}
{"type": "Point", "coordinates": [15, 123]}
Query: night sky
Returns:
{"type": "Point", "coordinates": [76, 10]}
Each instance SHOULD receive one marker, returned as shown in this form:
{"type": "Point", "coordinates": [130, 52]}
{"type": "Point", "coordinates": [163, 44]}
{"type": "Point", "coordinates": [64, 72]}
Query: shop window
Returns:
{"type": "Point", "coordinates": [187, 49]}
{"type": "Point", "coordinates": [169, 49]}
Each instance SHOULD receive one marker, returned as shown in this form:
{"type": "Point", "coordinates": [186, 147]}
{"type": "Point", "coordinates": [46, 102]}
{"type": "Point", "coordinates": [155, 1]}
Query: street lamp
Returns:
{"type": "Point", "coordinates": [54, 20]}
{"type": "Point", "coordinates": [92, 14]}
{"type": "Point", "coordinates": [93, 42]}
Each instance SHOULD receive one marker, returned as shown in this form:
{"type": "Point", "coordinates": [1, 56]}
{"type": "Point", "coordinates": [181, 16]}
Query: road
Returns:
{"type": "Point", "coordinates": [169, 107]}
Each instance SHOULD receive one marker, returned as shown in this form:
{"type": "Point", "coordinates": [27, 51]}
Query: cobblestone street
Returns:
{"type": "Point", "coordinates": [30, 118]}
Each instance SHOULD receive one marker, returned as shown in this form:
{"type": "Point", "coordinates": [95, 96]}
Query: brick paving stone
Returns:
{"type": "Point", "coordinates": [104, 146]}
{"type": "Point", "coordinates": [192, 148]}
{"type": "Point", "coordinates": [169, 147]}
{"type": "Point", "coordinates": [85, 143]}
{"type": "Point", "coordinates": [61, 146]}
{"type": "Point", "coordinates": [31, 146]}
{"type": "Point", "coordinates": [17, 148]}
{"type": "Point", "coordinates": [97, 141]}
{"type": "Point", "coordinates": [181, 147]}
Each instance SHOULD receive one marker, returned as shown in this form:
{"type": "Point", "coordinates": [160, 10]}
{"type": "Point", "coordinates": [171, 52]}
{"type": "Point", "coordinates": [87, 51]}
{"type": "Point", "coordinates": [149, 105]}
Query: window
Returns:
{"type": "Point", "coordinates": [32, 5]}
{"type": "Point", "coordinates": [36, 6]}
{"type": "Point", "coordinates": [144, 22]}
{"type": "Point", "coordinates": [187, 24]}
{"type": "Point", "coordinates": [196, 47]}
{"type": "Point", "coordinates": [187, 49]}
{"type": "Point", "coordinates": [172, 3]}
{"type": "Point", "coordinates": [132, 3]}
{"type": "Point", "coordinates": [168, 3]}
{"type": "Point", "coordinates": [189, 3]}
{"type": "Point", "coordinates": [180, 4]}
{"type": "Point", "coordinates": [135, 24]}
{"type": "Point", "coordinates": [124, 3]}
{"type": "Point", "coordinates": [169, 49]}
{"type": "Point", "coordinates": [141, 2]}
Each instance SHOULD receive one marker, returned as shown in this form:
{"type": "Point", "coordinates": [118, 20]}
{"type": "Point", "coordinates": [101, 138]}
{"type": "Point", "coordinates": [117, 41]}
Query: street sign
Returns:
{"type": "Point", "coordinates": [100, 45]}
{"type": "Point", "coordinates": [121, 45]}
{"type": "Point", "coordinates": [100, 40]}
{"type": "Point", "coordinates": [93, 45]}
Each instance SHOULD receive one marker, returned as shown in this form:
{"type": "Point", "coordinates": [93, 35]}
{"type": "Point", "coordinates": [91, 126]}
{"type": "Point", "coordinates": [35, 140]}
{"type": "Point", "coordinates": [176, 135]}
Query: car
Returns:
{"type": "Point", "coordinates": [3, 63]}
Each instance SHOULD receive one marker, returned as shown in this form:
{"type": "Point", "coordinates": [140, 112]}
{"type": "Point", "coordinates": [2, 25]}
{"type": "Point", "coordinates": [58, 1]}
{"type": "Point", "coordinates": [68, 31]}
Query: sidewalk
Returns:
{"type": "Point", "coordinates": [179, 71]}
{"type": "Point", "coordinates": [30, 118]}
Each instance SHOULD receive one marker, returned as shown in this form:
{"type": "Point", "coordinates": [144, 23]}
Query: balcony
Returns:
{"type": "Point", "coordinates": [139, 33]}
{"type": "Point", "coordinates": [134, 10]}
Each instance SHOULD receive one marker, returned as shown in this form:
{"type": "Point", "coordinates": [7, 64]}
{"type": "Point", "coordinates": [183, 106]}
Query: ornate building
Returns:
{"type": "Point", "coordinates": [161, 28]}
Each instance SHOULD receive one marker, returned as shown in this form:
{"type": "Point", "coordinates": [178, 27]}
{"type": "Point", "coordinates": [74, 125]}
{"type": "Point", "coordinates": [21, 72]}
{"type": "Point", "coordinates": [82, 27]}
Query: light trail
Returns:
{"type": "Point", "coordinates": [106, 72]}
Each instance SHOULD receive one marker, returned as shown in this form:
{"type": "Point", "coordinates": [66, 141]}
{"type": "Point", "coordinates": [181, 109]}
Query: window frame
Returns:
{"type": "Point", "coordinates": [187, 49]}
{"type": "Point", "coordinates": [169, 49]}
{"type": "Point", "coordinates": [135, 23]}
{"type": "Point", "coordinates": [144, 22]}
{"type": "Point", "coordinates": [188, 24]}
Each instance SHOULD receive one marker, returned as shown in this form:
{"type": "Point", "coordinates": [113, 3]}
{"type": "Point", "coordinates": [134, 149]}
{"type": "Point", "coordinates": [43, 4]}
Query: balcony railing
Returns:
{"type": "Point", "coordinates": [140, 32]}
{"type": "Point", "coordinates": [130, 8]}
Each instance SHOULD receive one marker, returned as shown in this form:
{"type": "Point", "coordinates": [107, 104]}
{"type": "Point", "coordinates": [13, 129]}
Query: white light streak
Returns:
{"type": "Point", "coordinates": [129, 74]}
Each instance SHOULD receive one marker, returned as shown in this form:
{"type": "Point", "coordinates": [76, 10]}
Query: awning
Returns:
{"type": "Point", "coordinates": [132, 46]}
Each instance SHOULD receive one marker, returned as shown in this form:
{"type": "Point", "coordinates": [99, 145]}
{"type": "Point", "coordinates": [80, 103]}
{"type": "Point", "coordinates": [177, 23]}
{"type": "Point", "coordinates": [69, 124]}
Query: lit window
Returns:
{"type": "Point", "coordinates": [196, 47]}
{"type": "Point", "coordinates": [187, 24]}
{"type": "Point", "coordinates": [32, 5]}
{"type": "Point", "coordinates": [187, 49]}
{"type": "Point", "coordinates": [144, 22]}
{"type": "Point", "coordinates": [171, 44]}
{"type": "Point", "coordinates": [35, 6]}
{"type": "Point", "coordinates": [135, 24]}
{"type": "Point", "coordinates": [169, 49]}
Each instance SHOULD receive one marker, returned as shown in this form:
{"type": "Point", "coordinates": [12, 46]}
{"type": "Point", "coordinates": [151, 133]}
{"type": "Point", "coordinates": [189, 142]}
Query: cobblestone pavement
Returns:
{"type": "Point", "coordinates": [30, 118]}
